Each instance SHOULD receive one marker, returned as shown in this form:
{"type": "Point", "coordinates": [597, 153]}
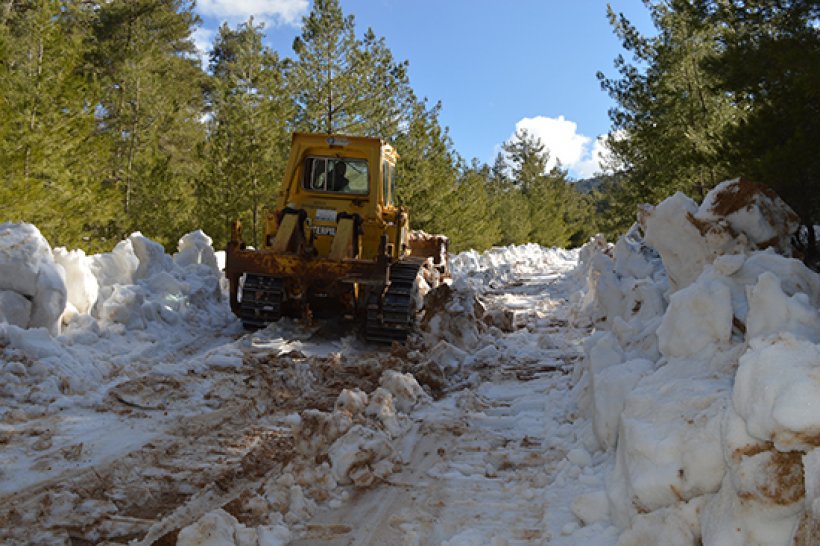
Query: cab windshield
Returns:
{"type": "Point", "coordinates": [336, 175]}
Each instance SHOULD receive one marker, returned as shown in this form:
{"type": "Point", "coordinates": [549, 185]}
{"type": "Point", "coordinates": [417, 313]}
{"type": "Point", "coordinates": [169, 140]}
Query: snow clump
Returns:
{"type": "Point", "coordinates": [33, 291]}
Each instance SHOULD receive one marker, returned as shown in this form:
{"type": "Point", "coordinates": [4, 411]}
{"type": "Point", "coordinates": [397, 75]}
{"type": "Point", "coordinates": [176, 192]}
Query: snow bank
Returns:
{"type": "Point", "coordinates": [703, 375]}
{"type": "Point", "coordinates": [140, 284]}
{"type": "Point", "coordinates": [132, 296]}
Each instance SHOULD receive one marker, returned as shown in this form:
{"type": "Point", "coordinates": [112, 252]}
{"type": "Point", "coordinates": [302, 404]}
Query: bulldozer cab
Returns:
{"type": "Point", "coordinates": [332, 179]}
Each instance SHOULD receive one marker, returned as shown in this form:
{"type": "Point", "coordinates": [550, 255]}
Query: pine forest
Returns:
{"type": "Point", "coordinates": [110, 122]}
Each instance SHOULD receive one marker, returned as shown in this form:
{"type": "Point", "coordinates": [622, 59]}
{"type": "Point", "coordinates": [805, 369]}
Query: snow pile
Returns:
{"type": "Point", "coordinates": [104, 304]}
{"type": "Point", "coordinates": [702, 376]}
{"type": "Point", "coordinates": [356, 437]}
{"type": "Point", "coordinates": [219, 528]}
{"type": "Point", "coordinates": [504, 265]}
{"type": "Point", "coordinates": [453, 313]}
{"type": "Point", "coordinates": [140, 284]}
{"type": "Point", "coordinates": [736, 217]}
{"type": "Point", "coordinates": [32, 287]}
{"type": "Point", "coordinates": [354, 446]}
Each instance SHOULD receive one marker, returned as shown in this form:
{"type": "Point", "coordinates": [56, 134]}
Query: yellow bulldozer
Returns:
{"type": "Point", "coordinates": [336, 242]}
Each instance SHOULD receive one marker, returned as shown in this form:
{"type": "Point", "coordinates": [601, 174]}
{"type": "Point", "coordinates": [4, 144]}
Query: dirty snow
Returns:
{"type": "Point", "coordinates": [659, 390]}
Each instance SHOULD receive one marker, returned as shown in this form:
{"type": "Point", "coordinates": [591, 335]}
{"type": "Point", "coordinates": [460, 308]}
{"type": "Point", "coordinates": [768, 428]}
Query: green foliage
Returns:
{"type": "Point", "coordinates": [109, 124]}
{"type": "Point", "coordinates": [727, 88]}
{"type": "Point", "coordinates": [343, 84]}
{"type": "Point", "coordinates": [248, 140]}
{"type": "Point", "coordinates": [469, 225]}
{"type": "Point", "coordinates": [668, 119]}
{"type": "Point", "coordinates": [426, 173]}
{"type": "Point", "coordinates": [512, 211]}
{"type": "Point", "coordinates": [535, 205]}
{"type": "Point", "coordinates": [151, 107]}
{"type": "Point", "coordinates": [48, 147]}
{"type": "Point", "coordinates": [528, 159]}
{"type": "Point", "coordinates": [770, 69]}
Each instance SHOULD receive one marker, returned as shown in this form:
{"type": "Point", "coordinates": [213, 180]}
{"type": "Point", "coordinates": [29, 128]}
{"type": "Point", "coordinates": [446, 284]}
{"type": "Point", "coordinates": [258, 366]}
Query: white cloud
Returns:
{"type": "Point", "coordinates": [285, 12]}
{"type": "Point", "coordinates": [594, 161]}
{"type": "Point", "coordinates": [203, 41]}
{"type": "Point", "coordinates": [578, 153]}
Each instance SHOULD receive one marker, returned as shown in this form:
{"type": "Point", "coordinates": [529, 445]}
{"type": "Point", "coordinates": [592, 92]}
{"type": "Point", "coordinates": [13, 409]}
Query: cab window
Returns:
{"type": "Point", "coordinates": [336, 175]}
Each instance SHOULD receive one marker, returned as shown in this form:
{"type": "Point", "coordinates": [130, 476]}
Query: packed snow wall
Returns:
{"type": "Point", "coordinates": [703, 375]}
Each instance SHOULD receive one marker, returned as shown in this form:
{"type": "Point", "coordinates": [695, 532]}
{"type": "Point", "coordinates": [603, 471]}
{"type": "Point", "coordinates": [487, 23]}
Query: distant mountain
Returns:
{"type": "Point", "coordinates": [588, 185]}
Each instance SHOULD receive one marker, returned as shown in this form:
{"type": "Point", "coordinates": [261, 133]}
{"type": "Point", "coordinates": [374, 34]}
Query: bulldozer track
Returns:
{"type": "Point", "coordinates": [262, 297]}
{"type": "Point", "coordinates": [393, 319]}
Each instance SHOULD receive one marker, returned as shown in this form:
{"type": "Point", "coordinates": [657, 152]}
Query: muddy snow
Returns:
{"type": "Point", "coordinates": [663, 389]}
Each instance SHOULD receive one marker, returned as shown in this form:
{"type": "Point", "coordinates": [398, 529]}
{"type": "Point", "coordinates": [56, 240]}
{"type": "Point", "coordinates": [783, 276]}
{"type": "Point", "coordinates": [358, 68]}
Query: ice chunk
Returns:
{"type": "Point", "coordinates": [591, 507]}
{"type": "Point", "coordinates": [669, 230]}
{"type": "Point", "coordinates": [448, 357]}
{"type": "Point", "coordinates": [151, 256]}
{"type": "Point", "coordinates": [219, 528]}
{"type": "Point", "coordinates": [81, 283]}
{"type": "Point", "coordinates": [117, 266]}
{"type": "Point", "coordinates": [777, 391]}
{"type": "Point", "coordinates": [677, 525]}
{"type": "Point", "coordinates": [351, 401]}
{"type": "Point", "coordinates": [611, 387]}
{"type": "Point", "coordinates": [381, 407]}
{"type": "Point", "coordinates": [753, 210]}
{"type": "Point", "coordinates": [771, 311]}
{"type": "Point", "coordinates": [22, 249]}
{"type": "Point", "coordinates": [633, 258]}
{"type": "Point", "coordinates": [669, 441]}
{"type": "Point", "coordinates": [14, 308]}
{"type": "Point", "coordinates": [353, 455]}
{"type": "Point", "coordinates": [406, 391]}
{"type": "Point", "coordinates": [196, 248]}
{"type": "Point", "coordinates": [316, 430]}
{"type": "Point", "coordinates": [124, 306]}
{"type": "Point", "coordinates": [732, 520]}
{"type": "Point", "coordinates": [49, 301]}
{"type": "Point", "coordinates": [699, 319]}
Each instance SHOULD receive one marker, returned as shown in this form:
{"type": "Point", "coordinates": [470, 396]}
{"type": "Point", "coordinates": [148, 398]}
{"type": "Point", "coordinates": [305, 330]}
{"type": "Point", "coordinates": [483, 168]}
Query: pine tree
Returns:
{"type": "Point", "coordinates": [343, 84]}
{"type": "Point", "coordinates": [151, 109]}
{"type": "Point", "coordinates": [426, 172]}
{"type": "Point", "coordinates": [471, 223]}
{"type": "Point", "coordinates": [512, 213]}
{"type": "Point", "coordinates": [668, 116]}
{"type": "Point", "coordinates": [248, 138]}
{"type": "Point", "coordinates": [48, 145]}
{"type": "Point", "coordinates": [528, 158]}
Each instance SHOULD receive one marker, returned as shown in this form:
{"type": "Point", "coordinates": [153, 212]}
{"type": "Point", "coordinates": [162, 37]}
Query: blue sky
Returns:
{"type": "Point", "coordinates": [495, 66]}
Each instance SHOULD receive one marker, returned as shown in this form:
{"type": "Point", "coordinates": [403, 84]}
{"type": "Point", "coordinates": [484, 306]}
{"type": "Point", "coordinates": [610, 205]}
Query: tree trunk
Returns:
{"type": "Point", "coordinates": [329, 95]}
{"type": "Point", "coordinates": [32, 122]}
{"type": "Point", "coordinates": [132, 145]}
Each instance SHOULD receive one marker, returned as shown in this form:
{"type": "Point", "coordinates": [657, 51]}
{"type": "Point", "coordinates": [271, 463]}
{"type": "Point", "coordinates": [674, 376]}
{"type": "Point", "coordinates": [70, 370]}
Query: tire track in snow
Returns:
{"type": "Point", "coordinates": [479, 462]}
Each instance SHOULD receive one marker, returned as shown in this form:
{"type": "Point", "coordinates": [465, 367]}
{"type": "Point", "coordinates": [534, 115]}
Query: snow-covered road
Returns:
{"type": "Point", "coordinates": [220, 423]}
{"type": "Point", "coordinates": [481, 463]}
{"type": "Point", "coordinates": [662, 390]}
